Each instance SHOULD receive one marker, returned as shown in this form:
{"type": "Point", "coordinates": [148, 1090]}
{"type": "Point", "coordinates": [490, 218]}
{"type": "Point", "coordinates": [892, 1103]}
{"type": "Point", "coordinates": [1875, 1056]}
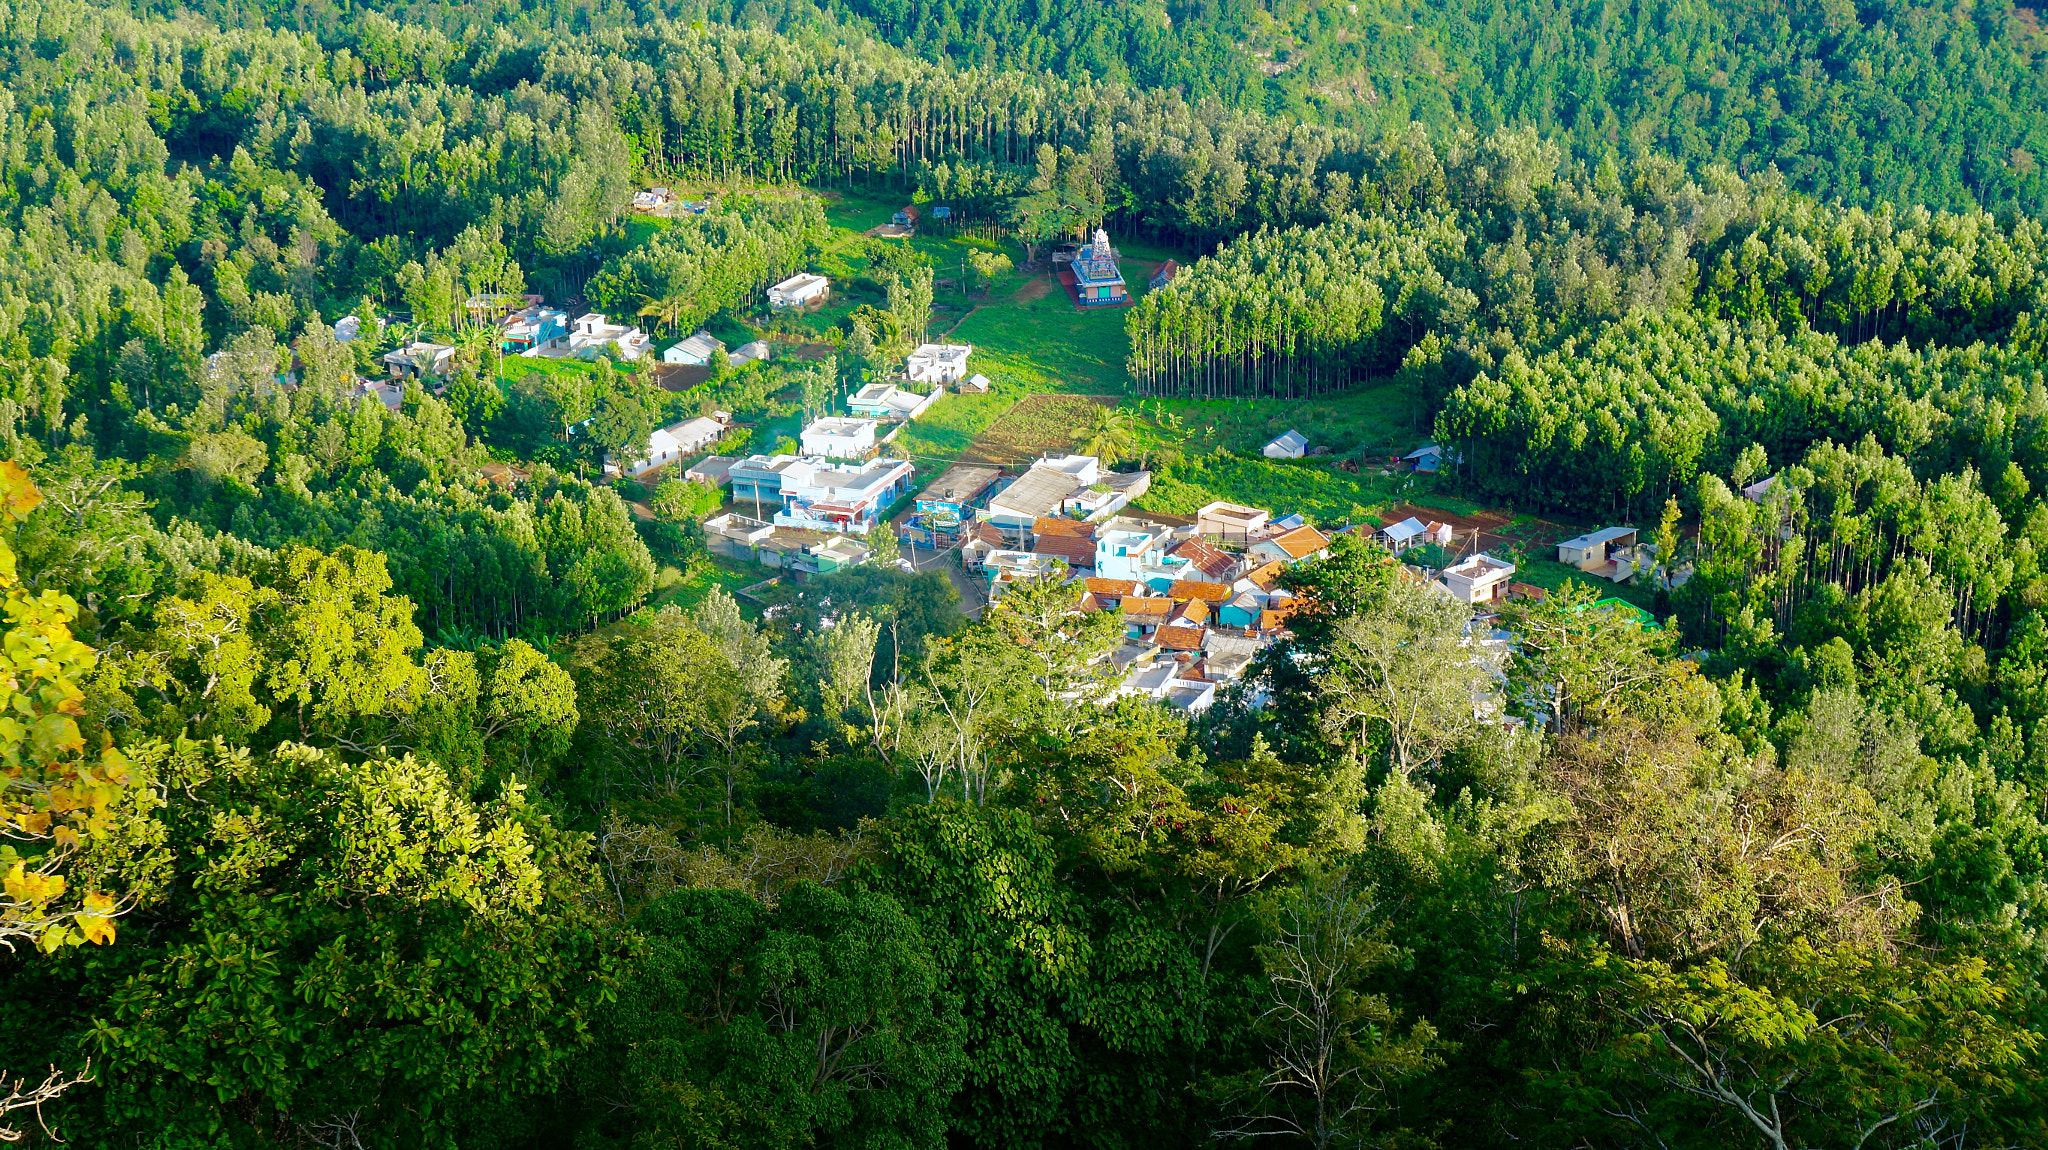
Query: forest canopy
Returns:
{"type": "Point", "coordinates": [375, 774]}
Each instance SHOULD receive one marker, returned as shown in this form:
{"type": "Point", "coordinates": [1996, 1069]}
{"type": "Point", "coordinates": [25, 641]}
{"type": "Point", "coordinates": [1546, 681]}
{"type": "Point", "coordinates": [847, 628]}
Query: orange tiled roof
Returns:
{"type": "Point", "coordinates": [1154, 605]}
{"type": "Point", "coordinates": [1053, 525]}
{"type": "Point", "coordinates": [1301, 541]}
{"type": "Point", "coordinates": [1266, 576]}
{"type": "Point", "coordinates": [1178, 638]}
{"type": "Point", "coordinates": [1192, 610]}
{"type": "Point", "coordinates": [1196, 589]}
{"type": "Point", "coordinates": [1078, 552]}
{"type": "Point", "coordinates": [1275, 617]}
{"type": "Point", "coordinates": [1204, 558]}
{"type": "Point", "coordinates": [1114, 588]}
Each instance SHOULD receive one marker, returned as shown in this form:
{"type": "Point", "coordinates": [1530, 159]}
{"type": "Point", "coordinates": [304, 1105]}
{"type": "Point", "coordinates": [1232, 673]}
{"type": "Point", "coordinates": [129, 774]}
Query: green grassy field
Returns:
{"type": "Point", "coordinates": [1379, 421]}
{"type": "Point", "coordinates": [687, 587]}
{"type": "Point", "coordinates": [1030, 339]}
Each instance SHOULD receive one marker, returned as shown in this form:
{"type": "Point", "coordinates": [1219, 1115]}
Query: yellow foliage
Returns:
{"type": "Point", "coordinates": [53, 795]}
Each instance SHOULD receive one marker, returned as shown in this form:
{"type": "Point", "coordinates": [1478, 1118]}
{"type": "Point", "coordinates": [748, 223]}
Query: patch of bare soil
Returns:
{"type": "Point", "coordinates": [1037, 289]}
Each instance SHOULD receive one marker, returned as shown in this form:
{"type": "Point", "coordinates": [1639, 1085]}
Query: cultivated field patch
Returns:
{"type": "Point", "coordinates": [1035, 425]}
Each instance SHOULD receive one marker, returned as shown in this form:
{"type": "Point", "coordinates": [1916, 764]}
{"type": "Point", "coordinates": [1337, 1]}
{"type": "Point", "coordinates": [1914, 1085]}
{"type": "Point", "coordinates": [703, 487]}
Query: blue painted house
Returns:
{"type": "Point", "coordinates": [1242, 611]}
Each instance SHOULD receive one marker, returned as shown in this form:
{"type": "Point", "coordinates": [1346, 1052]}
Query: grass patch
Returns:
{"type": "Point", "coordinates": [1320, 492]}
{"type": "Point", "coordinates": [515, 368]}
{"type": "Point", "coordinates": [689, 586]}
{"type": "Point", "coordinates": [950, 425]}
{"type": "Point", "coordinates": [1549, 574]}
{"type": "Point", "coordinates": [1034, 426]}
{"type": "Point", "coordinates": [1378, 421]}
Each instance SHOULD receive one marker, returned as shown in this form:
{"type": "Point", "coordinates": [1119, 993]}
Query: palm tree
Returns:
{"type": "Point", "coordinates": [669, 309]}
{"type": "Point", "coordinates": [1112, 437]}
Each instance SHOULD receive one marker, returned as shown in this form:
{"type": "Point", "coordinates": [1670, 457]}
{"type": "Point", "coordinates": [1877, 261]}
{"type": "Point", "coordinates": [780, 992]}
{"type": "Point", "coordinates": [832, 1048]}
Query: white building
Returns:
{"type": "Point", "coordinates": [938, 363]}
{"type": "Point", "coordinates": [420, 359]}
{"type": "Point", "coordinates": [653, 199]}
{"type": "Point", "coordinates": [698, 350]}
{"type": "Point", "coordinates": [347, 328]}
{"type": "Point", "coordinates": [668, 444]}
{"type": "Point", "coordinates": [1042, 491]}
{"type": "Point", "coordinates": [800, 290]}
{"type": "Point", "coordinates": [592, 333]}
{"type": "Point", "coordinates": [887, 401]}
{"type": "Point", "coordinates": [851, 497]}
{"type": "Point", "coordinates": [1478, 579]}
{"type": "Point", "coordinates": [840, 438]}
{"type": "Point", "coordinates": [1289, 445]}
{"type": "Point", "coordinates": [1608, 552]}
{"type": "Point", "coordinates": [750, 351]}
{"type": "Point", "coordinates": [1233, 522]}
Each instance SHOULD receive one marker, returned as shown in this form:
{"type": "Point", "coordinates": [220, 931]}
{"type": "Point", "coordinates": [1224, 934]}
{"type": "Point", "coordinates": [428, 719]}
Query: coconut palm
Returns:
{"type": "Point", "coordinates": [1112, 437]}
{"type": "Point", "coordinates": [667, 310]}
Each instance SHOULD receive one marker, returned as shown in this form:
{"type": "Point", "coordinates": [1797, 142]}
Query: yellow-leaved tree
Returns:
{"type": "Point", "coordinates": [59, 796]}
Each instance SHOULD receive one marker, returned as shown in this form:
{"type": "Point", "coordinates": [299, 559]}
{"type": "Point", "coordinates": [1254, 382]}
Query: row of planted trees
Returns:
{"type": "Point", "coordinates": [1525, 255]}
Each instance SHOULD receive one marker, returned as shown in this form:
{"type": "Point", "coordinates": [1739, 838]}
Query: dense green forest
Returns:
{"type": "Point", "coordinates": [359, 786]}
{"type": "Point", "coordinates": [1931, 102]}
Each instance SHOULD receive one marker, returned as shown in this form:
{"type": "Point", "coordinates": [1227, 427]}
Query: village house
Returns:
{"type": "Point", "coordinates": [1425, 459]}
{"type": "Point", "coordinates": [819, 497]}
{"type": "Point", "coordinates": [800, 290]}
{"type": "Point", "coordinates": [1289, 444]}
{"type": "Point", "coordinates": [1164, 275]}
{"type": "Point", "coordinates": [837, 438]}
{"type": "Point", "coordinates": [1130, 549]}
{"type": "Point", "coordinates": [696, 350]}
{"type": "Point", "coordinates": [668, 444]}
{"type": "Point", "coordinates": [942, 511]}
{"type": "Point", "coordinates": [592, 334]}
{"type": "Point", "coordinates": [905, 217]}
{"type": "Point", "coordinates": [977, 542]}
{"type": "Point", "coordinates": [940, 363]}
{"type": "Point", "coordinates": [654, 199]}
{"type": "Point", "coordinates": [757, 480]}
{"type": "Point", "coordinates": [531, 327]}
{"type": "Point", "coordinates": [1110, 594]}
{"type": "Point", "coordinates": [889, 402]}
{"type": "Point", "coordinates": [420, 359]}
{"type": "Point", "coordinates": [1007, 567]}
{"type": "Point", "coordinates": [1242, 610]}
{"type": "Point", "coordinates": [1205, 562]}
{"type": "Point", "coordinates": [1478, 578]}
{"type": "Point", "coordinates": [1210, 595]}
{"type": "Point", "coordinates": [1291, 546]}
{"type": "Point", "coordinates": [389, 392]}
{"type": "Point", "coordinates": [1111, 492]}
{"type": "Point", "coordinates": [1098, 282]}
{"type": "Point", "coordinates": [1608, 553]}
{"type": "Point", "coordinates": [1229, 522]}
{"type": "Point", "coordinates": [798, 551]}
{"type": "Point", "coordinates": [1041, 492]}
{"type": "Point", "coordinates": [976, 384]}
{"type": "Point", "coordinates": [839, 554]}
{"type": "Point", "coordinates": [711, 471]}
{"type": "Point", "coordinates": [1067, 540]}
{"type": "Point", "coordinates": [1143, 616]}
{"type": "Point", "coordinates": [749, 352]}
